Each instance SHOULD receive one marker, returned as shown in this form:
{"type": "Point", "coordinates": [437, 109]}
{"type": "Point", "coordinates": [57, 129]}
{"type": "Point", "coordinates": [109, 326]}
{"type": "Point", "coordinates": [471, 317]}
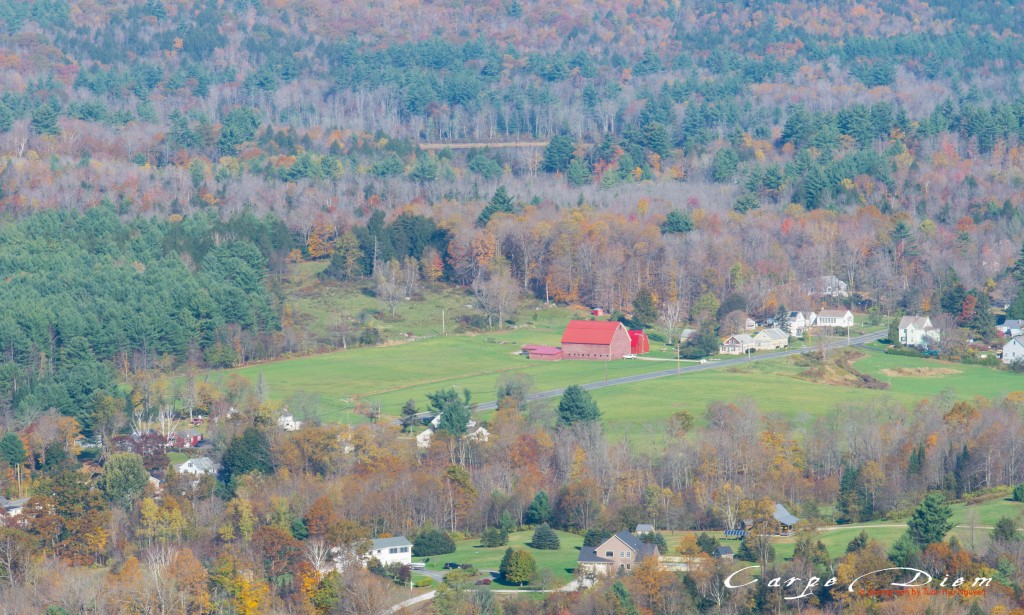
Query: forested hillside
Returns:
{"type": "Point", "coordinates": [878, 141]}
{"type": "Point", "coordinates": [192, 185]}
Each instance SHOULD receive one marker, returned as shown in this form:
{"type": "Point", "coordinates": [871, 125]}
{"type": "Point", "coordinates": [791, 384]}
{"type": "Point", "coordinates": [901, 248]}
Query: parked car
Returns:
{"type": "Point", "coordinates": [629, 356]}
{"type": "Point", "coordinates": [418, 566]}
{"type": "Point", "coordinates": [450, 566]}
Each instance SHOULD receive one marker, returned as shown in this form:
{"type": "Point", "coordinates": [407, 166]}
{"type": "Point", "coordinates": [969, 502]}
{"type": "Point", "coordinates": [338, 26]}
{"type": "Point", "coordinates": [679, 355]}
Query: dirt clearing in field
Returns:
{"type": "Point", "coordinates": [921, 372]}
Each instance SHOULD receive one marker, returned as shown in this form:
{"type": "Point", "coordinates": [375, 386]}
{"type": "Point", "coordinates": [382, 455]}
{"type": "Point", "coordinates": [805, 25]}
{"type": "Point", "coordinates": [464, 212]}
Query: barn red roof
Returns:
{"type": "Point", "coordinates": [590, 332]}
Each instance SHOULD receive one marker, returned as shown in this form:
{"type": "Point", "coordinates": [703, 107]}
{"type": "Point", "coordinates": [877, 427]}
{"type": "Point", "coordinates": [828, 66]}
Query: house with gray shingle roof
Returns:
{"type": "Point", "coordinates": [621, 552]}
{"type": "Point", "coordinates": [394, 550]}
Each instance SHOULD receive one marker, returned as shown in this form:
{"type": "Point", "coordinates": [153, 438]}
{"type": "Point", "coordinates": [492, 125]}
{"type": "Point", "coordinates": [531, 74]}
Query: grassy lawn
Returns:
{"type": "Point", "coordinates": [561, 562]}
{"type": "Point", "coordinates": [176, 458]}
{"type": "Point", "coordinates": [393, 374]}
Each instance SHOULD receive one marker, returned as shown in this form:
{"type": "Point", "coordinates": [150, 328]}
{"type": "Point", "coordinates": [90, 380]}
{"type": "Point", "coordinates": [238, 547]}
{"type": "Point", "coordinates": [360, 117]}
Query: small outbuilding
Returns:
{"type": "Point", "coordinates": [722, 553]}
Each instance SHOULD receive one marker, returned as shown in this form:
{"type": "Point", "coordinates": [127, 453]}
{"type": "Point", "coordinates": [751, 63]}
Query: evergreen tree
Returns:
{"type": "Point", "coordinates": [501, 202]}
{"type": "Point", "coordinates": [44, 120]}
{"type": "Point", "coordinates": [494, 537]}
{"type": "Point", "coordinates": [655, 538]}
{"type": "Point", "coordinates": [594, 537]}
{"type": "Point", "coordinates": [894, 332]}
{"type": "Point", "coordinates": [1018, 493]}
{"type": "Point", "coordinates": [623, 599]}
{"type": "Point", "coordinates": [677, 222]}
{"type": "Point", "coordinates": [579, 173]}
{"type": "Point", "coordinates": [6, 117]}
{"type": "Point", "coordinates": [409, 412]}
{"type": "Point", "coordinates": [12, 452]}
{"type": "Point", "coordinates": [905, 552]}
{"type": "Point", "coordinates": [930, 520]}
{"type": "Point", "coordinates": [577, 406]}
{"type": "Point", "coordinates": [644, 310]}
{"type": "Point", "coordinates": [454, 410]}
{"type": "Point", "coordinates": [545, 538]}
{"type": "Point", "coordinates": [539, 510]}
{"type": "Point", "coordinates": [432, 541]}
{"type": "Point", "coordinates": [507, 522]}
{"type": "Point", "coordinates": [247, 453]}
{"type": "Point", "coordinates": [1006, 530]}
{"type": "Point", "coordinates": [858, 543]}
{"type": "Point", "coordinates": [558, 154]}
{"type": "Point", "coordinates": [747, 202]}
{"type": "Point", "coordinates": [707, 543]}
{"type": "Point", "coordinates": [724, 166]}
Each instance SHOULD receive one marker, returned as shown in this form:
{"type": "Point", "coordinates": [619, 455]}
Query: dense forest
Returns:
{"type": "Point", "coordinates": [166, 164]}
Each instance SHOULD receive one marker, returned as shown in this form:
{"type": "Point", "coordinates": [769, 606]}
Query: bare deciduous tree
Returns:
{"type": "Point", "coordinates": [390, 286]}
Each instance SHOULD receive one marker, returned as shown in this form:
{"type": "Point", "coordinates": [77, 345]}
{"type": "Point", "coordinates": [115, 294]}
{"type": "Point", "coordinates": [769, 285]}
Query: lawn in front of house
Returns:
{"type": "Point", "coordinates": [561, 562]}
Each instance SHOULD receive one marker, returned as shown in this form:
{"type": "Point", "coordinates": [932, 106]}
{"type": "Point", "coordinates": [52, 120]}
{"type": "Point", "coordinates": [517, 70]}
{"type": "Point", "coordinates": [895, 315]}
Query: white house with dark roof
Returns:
{"type": "Point", "coordinates": [617, 554]}
{"type": "Point", "coordinates": [1013, 350]}
{"type": "Point", "coordinates": [1011, 327]}
{"type": "Point", "coordinates": [796, 322]}
{"type": "Point", "coordinates": [395, 550]}
{"type": "Point", "coordinates": [917, 331]}
{"type": "Point", "coordinates": [835, 318]}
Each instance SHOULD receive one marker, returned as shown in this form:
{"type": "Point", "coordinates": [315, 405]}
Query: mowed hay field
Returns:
{"type": "Point", "coordinates": [395, 373]}
{"type": "Point", "coordinates": [638, 411]}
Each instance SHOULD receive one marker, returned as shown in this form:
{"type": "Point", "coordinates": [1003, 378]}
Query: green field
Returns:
{"type": "Point", "coordinates": [637, 411]}
{"type": "Point", "coordinates": [973, 528]}
{"type": "Point", "coordinates": [561, 562]}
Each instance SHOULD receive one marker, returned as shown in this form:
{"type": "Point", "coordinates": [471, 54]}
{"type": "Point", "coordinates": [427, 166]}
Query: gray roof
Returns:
{"type": "Point", "coordinates": [9, 504]}
{"type": "Point", "coordinates": [203, 464]}
{"type": "Point", "coordinates": [588, 555]}
{"type": "Point", "coordinates": [644, 528]}
{"type": "Point", "coordinates": [775, 333]}
{"type": "Point", "coordinates": [395, 541]}
{"type": "Point", "coordinates": [1013, 324]}
{"type": "Point", "coordinates": [919, 322]}
{"type": "Point", "coordinates": [642, 549]}
{"type": "Point", "coordinates": [833, 313]}
{"type": "Point", "coordinates": [783, 516]}
{"type": "Point", "coordinates": [720, 551]}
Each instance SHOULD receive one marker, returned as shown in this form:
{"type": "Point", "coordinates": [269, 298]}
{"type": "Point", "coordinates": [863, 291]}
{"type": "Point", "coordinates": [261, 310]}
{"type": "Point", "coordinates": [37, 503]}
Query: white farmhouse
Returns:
{"type": "Point", "coordinates": [917, 331]}
{"type": "Point", "coordinates": [835, 318]}
{"type": "Point", "coordinates": [397, 550]}
{"type": "Point", "coordinates": [1013, 350]}
{"type": "Point", "coordinates": [198, 466]}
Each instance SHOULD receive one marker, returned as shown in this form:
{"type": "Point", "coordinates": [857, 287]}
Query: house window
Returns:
{"type": "Point", "coordinates": [393, 550]}
{"type": "Point", "coordinates": [627, 566]}
{"type": "Point", "coordinates": [609, 553]}
{"type": "Point", "coordinates": [403, 550]}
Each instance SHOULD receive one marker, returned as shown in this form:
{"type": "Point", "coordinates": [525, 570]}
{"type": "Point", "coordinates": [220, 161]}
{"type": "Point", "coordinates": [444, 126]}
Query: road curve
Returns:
{"type": "Point", "coordinates": [855, 341]}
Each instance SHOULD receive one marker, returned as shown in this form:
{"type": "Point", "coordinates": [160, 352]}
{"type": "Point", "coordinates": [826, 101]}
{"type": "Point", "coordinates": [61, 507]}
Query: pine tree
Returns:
{"type": "Point", "coordinates": [577, 406]}
{"type": "Point", "coordinates": [579, 173]}
{"type": "Point", "coordinates": [539, 510]}
{"type": "Point", "coordinates": [677, 222]}
{"type": "Point", "coordinates": [545, 538]}
{"type": "Point", "coordinates": [44, 120]}
{"type": "Point", "coordinates": [409, 413]}
{"type": "Point", "coordinates": [1006, 530]}
{"type": "Point", "coordinates": [6, 118]}
{"type": "Point", "coordinates": [930, 520]}
{"type": "Point", "coordinates": [644, 310]}
{"type": "Point", "coordinates": [501, 202]}
{"type": "Point", "coordinates": [558, 154]}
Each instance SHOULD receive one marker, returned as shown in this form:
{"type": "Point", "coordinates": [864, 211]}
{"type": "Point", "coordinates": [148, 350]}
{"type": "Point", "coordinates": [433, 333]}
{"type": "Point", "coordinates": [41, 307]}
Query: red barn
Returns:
{"type": "Point", "coordinates": [595, 340]}
{"type": "Point", "coordinates": [638, 342]}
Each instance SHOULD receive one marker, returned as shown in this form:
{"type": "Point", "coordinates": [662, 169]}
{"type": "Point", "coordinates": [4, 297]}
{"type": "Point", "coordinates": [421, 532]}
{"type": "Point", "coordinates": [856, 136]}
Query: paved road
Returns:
{"type": "Point", "coordinates": [713, 364]}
